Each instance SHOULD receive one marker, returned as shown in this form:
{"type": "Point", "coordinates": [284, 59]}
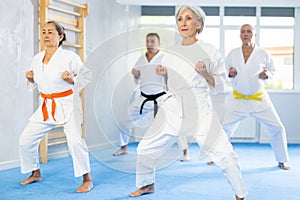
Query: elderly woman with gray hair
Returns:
{"type": "Point", "coordinates": [187, 109]}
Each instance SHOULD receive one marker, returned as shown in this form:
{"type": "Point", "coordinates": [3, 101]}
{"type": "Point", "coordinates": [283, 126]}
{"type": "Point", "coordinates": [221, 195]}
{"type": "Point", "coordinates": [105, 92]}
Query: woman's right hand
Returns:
{"type": "Point", "coordinates": [29, 76]}
{"type": "Point", "coordinates": [232, 72]}
{"type": "Point", "coordinates": [201, 68]}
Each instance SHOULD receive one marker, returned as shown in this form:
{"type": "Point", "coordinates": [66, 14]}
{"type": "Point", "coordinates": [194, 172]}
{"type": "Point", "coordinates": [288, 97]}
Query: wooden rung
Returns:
{"type": "Point", "coordinates": [64, 11]}
{"type": "Point", "coordinates": [55, 135]}
{"type": "Point", "coordinates": [281, 54]}
{"type": "Point", "coordinates": [73, 29]}
{"type": "Point", "coordinates": [72, 45]}
{"type": "Point", "coordinates": [73, 3]}
{"type": "Point", "coordinates": [283, 48]}
{"type": "Point", "coordinates": [57, 142]}
{"type": "Point", "coordinates": [62, 19]}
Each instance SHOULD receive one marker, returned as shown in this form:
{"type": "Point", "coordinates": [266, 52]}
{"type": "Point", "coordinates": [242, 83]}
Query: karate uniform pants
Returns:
{"type": "Point", "coordinates": [265, 113]}
{"type": "Point", "coordinates": [135, 119]}
{"type": "Point", "coordinates": [214, 144]}
{"type": "Point", "coordinates": [218, 105]}
{"type": "Point", "coordinates": [35, 131]}
{"type": "Point", "coordinates": [182, 143]}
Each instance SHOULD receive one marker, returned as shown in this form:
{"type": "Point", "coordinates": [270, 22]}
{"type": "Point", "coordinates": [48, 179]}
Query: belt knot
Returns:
{"type": "Point", "coordinates": [52, 96]}
{"type": "Point", "coordinates": [153, 98]}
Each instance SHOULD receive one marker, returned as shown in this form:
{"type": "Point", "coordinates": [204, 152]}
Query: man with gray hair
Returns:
{"type": "Point", "coordinates": [250, 67]}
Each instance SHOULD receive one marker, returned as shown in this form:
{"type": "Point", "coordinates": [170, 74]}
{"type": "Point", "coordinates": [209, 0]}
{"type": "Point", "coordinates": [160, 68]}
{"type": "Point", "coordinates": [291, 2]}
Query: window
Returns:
{"type": "Point", "coordinates": [276, 34]}
{"type": "Point", "coordinates": [282, 54]}
{"type": "Point", "coordinates": [274, 26]}
{"type": "Point", "coordinates": [211, 35]}
{"type": "Point", "coordinates": [236, 16]}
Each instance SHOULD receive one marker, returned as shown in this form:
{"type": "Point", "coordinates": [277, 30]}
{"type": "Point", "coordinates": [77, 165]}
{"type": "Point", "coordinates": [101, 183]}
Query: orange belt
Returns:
{"type": "Point", "coordinates": [52, 96]}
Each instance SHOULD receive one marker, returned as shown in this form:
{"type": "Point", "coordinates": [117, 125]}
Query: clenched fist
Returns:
{"type": "Point", "coordinates": [29, 76]}
{"type": "Point", "coordinates": [201, 68]}
{"type": "Point", "coordinates": [160, 70]}
{"type": "Point", "coordinates": [136, 73]}
{"type": "Point", "coordinates": [264, 74]}
{"type": "Point", "coordinates": [232, 72]}
{"type": "Point", "coordinates": [67, 76]}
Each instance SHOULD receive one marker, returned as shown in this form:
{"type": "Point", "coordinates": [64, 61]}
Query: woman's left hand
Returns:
{"type": "Point", "coordinates": [67, 76]}
{"type": "Point", "coordinates": [201, 68]}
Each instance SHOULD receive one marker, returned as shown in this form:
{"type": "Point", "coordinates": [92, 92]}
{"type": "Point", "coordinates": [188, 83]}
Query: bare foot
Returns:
{"type": "Point", "coordinates": [143, 190]}
{"type": "Point", "coordinates": [210, 163]}
{"type": "Point", "coordinates": [186, 156]}
{"type": "Point", "coordinates": [283, 166]}
{"type": "Point", "coordinates": [239, 198]}
{"type": "Point", "coordinates": [86, 185]}
{"type": "Point", "coordinates": [120, 152]}
{"type": "Point", "coordinates": [35, 177]}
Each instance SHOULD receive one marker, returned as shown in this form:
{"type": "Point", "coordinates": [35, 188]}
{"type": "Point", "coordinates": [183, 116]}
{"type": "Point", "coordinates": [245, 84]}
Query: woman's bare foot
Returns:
{"type": "Point", "coordinates": [239, 198]}
{"type": "Point", "coordinates": [35, 177]}
{"type": "Point", "coordinates": [143, 190]}
{"type": "Point", "coordinates": [210, 163]}
{"type": "Point", "coordinates": [86, 185]}
{"type": "Point", "coordinates": [186, 156]}
{"type": "Point", "coordinates": [283, 166]}
{"type": "Point", "coordinates": [121, 151]}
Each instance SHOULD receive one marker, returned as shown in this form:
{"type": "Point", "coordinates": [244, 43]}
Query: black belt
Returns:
{"type": "Point", "coordinates": [153, 98]}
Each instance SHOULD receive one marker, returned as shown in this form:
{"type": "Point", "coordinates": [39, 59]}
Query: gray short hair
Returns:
{"type": "Point", "coordinates": [253, 28]}
{"type": "Point", "coordinates": [199, 13]}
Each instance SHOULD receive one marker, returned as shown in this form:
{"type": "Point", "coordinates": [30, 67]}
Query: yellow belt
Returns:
{"type": "Point", "coordinates": [256, 96]}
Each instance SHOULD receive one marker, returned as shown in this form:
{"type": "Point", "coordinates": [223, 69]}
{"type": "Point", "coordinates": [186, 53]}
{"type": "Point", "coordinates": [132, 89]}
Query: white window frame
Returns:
{"type": "Point", "coordinates": [222, 27]}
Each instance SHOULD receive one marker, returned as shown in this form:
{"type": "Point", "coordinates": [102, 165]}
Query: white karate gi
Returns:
{"type": "Point", "coordinates": [247, 82]}
{"type": "Point", "coordinates": [215, 66]}
{"type": "Point", "coordinates": [187, 110]}
{"type": "Point", "coordinates": [149, 83]}
{"type": "Point", "coordinates": [68, 112]}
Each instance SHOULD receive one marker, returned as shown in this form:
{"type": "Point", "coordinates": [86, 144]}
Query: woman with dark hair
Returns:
{"type": "Point", "coordinates": [59, 75]}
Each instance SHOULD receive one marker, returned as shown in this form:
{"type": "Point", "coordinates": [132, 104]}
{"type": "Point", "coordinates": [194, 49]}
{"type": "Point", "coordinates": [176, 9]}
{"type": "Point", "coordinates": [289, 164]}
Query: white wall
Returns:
{"type": "Point", "coordinates": [16, 52]}
{"type": "Point", "coordinates": [107, 40]}
{"type": "Point", "coordinates": [287, 105]}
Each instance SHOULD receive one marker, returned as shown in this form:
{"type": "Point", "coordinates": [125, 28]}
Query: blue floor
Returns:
{"type": "Point", "coordinates": [189, 180]}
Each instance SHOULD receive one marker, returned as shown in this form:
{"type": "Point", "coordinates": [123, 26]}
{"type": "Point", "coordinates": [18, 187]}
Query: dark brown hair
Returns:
{"type": "Point", "coordinates": [60, 29]}
{"type": "Point", "coordinates": [153, 34]}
